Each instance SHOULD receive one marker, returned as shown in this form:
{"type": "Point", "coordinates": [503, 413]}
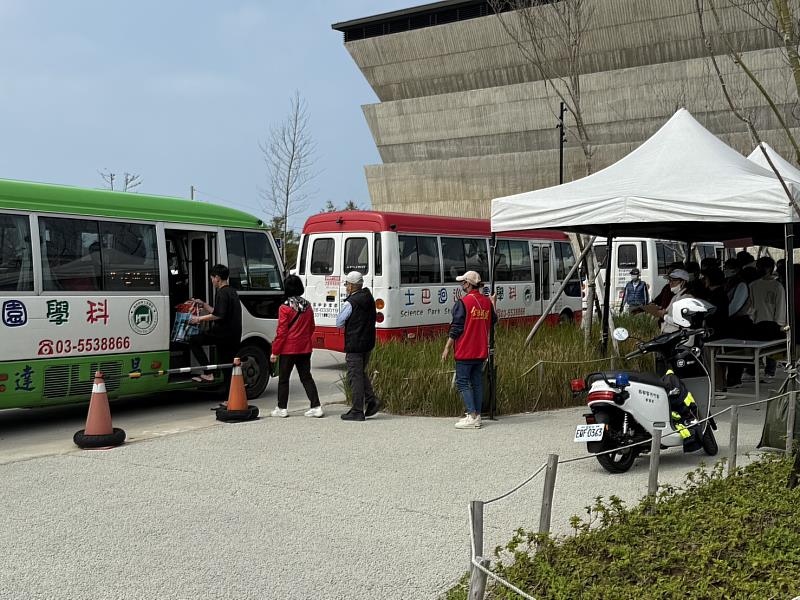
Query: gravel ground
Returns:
{"type": "Point", "coordinates": [294, 508]}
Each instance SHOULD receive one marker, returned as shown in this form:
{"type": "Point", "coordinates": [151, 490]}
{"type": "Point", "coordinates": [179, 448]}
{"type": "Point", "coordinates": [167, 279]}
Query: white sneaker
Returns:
{"type": "Point", "coordinates": [280, 412]}
{"type": "Point", "coordinates": [469, 422]}
{"type": "Point", "coordinates": [315, 412]}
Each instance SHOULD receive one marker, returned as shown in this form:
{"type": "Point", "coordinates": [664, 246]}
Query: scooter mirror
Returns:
{"type": "Point", "coordinates": [620, 334]}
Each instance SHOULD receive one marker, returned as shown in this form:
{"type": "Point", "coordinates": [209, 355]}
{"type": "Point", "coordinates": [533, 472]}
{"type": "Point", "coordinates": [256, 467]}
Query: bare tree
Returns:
{"type": "Point", "coordinates": [289, 154]}
{"type": "Point", "coordinates": [130, 181]}
{"type": "Point", "coordinates": [551, 37]}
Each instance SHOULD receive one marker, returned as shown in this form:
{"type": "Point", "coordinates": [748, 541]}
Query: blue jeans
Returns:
{"type": "Point", "coordinates": [469, 381]}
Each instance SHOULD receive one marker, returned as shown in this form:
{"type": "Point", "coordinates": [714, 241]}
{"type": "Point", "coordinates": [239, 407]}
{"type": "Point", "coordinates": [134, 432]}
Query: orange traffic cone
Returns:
{"type": "Point", "coordinates": [237, 408]}
{"type": "Point", "coordinates": [98, 432]}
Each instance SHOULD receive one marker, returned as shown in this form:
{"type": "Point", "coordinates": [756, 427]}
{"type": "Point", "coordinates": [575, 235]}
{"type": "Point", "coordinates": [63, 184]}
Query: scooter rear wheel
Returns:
{"type": "Point", "coordinates": [618, 462]}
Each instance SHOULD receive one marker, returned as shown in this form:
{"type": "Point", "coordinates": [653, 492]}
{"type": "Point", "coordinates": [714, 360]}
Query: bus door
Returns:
{"type": "Point", "coordinates": [534, 306]}
{"type": "Point", "coordinates": [202, 256]}
{"type": "Point", "coordinates": [355, 257]}
{"type": "Point", "coordinates": [322, 275]}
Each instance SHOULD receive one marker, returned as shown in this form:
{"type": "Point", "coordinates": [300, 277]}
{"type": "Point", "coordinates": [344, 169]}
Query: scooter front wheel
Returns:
{"type": "Point", "coordinates": [709, 441]}
{"type": "Point", "coordinates": [619, 461]}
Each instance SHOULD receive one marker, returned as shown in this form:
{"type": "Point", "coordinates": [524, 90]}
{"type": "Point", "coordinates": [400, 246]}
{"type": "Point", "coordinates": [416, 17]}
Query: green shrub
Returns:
{"type": "Point", "coordinates": [411, 379]}
{"type": "Point", "coordinates": [734, 537]}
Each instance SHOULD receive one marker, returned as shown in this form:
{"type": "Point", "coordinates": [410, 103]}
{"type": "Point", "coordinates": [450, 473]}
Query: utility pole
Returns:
{"type": "Point", "coordinates": [561, 139]}
{"type": "Point", "coordinates": [191, 192]}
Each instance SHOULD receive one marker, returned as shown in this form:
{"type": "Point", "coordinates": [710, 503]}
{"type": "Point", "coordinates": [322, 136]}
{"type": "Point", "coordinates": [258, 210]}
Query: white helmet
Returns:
{"type": "Point", "coordinates": [683, 311]}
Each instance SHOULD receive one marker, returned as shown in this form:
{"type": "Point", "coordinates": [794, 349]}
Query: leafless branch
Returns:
{"type": "Point", "coordinates": [290, 155]}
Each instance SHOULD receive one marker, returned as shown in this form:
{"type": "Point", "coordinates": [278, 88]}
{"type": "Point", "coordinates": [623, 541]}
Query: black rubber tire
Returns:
{"type": "Point", "coordinates": [255, 369]}
{"type": "Point", "coordinates": [618, 462]}
{"type": "Point", "coordinates": [566, 318]}
{"type": "Point", "coordinates": [709, 441]}
{"type": "Point", "coordinates": [115, 438]}
{"type": "Point", "coordinates": [235, 416]}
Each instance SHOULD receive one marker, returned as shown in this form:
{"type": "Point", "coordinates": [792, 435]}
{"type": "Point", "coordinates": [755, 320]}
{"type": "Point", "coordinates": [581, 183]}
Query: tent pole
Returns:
{"type": "Point", "coordinates": [607, 294]}
{"type": "Point", "coordinates": [491, 366]}
{"type": "Point", "coordinates": [540, 321]}
{"type": "Point", "coordinates": [791, 413]}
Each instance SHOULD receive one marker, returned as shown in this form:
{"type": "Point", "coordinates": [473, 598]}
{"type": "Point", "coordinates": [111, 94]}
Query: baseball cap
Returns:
{"type": "Point", "coordinates": [635, 272]}
{"type": "Point", "coordinates": [354, 277]}
{"type": "Point", "coordinates": [470, 277]}
{"type": "Point", "coordinates": [679, 274]}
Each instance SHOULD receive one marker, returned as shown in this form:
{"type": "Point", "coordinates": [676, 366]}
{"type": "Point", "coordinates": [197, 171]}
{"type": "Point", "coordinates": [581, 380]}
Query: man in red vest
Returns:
{"type": "Point", "coordinates": [473, 317]}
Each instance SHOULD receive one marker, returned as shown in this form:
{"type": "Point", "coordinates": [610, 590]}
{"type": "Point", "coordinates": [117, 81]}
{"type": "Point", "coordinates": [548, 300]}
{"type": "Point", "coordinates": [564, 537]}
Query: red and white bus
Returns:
{"type": "Point", "coordinates": [410, 262]}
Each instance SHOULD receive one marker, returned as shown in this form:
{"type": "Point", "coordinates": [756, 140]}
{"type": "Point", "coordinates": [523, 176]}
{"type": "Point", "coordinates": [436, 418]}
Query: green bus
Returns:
{"type": "Point", "coordinates": [90, 279]}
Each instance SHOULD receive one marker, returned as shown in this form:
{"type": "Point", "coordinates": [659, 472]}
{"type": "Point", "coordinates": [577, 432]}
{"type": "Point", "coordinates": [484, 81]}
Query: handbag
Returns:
{"type": "Point", "coordinates": [182, 329]}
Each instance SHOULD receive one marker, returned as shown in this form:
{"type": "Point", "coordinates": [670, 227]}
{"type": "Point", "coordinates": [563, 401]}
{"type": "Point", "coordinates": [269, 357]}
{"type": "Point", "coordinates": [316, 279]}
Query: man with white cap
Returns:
{"type": "Point", "coordinates": [357, 318]}
{"type": "Point", "coordinates": [678, 279]}
{"type": "Point", "coordinates": [473, 318]}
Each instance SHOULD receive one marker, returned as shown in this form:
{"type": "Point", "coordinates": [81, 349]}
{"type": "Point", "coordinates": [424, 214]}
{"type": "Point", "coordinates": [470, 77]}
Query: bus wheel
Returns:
{"type": "Point", "coordinates": [255, 369]}
{"type": "Point", "coordinates": [565, 318]}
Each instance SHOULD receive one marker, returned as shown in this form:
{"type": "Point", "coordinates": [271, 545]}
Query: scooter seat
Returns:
{"type": "Point", "coordinates": [635, 376]}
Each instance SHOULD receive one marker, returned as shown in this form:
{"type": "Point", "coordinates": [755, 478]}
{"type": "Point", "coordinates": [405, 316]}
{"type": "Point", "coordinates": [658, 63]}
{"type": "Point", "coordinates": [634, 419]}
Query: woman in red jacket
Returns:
{"type": "Point", "coordinates": [293, 344]}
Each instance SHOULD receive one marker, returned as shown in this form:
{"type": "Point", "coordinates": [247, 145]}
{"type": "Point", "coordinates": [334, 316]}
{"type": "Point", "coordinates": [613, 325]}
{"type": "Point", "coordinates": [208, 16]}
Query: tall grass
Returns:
{"type": "Point", "coordinates": [411, 379]}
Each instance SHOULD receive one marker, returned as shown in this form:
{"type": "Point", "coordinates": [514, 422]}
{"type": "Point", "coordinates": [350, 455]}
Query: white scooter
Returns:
{"type": "Point", "coordinates": [628, 406]}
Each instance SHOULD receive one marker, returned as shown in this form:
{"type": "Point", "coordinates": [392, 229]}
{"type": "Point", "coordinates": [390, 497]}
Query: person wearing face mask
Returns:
{"type": "Point", "coordinates": [678, 279]}
{"type": "Point", "coordinates": [473, 318]}
{"type": "Point", "coordinates": [635, 295]}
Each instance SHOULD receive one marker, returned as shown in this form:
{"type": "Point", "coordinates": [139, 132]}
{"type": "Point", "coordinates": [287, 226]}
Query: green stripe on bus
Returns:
{"type": "Point", "coordinates": [51, 381]}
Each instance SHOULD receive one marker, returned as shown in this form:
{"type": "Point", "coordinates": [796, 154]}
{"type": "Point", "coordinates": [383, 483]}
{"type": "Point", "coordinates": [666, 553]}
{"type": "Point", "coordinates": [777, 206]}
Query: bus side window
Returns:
{"type": "Point", "coordinates": [644, 255]}
{"type": "Point", "coordinates": [70, 254]}
{"type": "Point", "coordinates": [303, 255]}
{"type": "Point", "coordinates": [16, 267]}
{"type": "Point", "coordinates": [378, 254]}
{"type": "Point", "coordinates": [502, 260]}
{"type": "Point", "coordinates": [453, 258]}
{"type": "Point", "coordinates": [537, 273]}
{"type": "Point", "coordinates": [129, 257]}
{"type": "Point", "coordinates": [545, 272]}
{"type": "Point", "coordinates": [356, 255]}
{"type": "Point", "coordinates": [322, 254]}
{"type": "Point", "coordinates": [409, 263]}
{"type": "Point", "coordinates": [476, 257]}
{"type": "Point", "coordinates": [520, 261]}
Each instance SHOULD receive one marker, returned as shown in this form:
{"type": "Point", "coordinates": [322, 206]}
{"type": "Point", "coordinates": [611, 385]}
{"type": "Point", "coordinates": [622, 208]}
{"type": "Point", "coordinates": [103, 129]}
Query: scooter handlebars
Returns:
{"type": "Point", "coordinates": [663, 340]}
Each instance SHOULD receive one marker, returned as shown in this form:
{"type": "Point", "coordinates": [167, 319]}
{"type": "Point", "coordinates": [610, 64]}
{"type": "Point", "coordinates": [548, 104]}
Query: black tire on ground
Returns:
{"type": "Point", "coordinates": [618, 462]}
{"type": "Point", "coordinates": [255, 369]}
{"type": "Point", "coordinates": [115, 438]}
{"type": "Point", "coordinates": [234, 416]}
{"type": "Point", "coordinates": [566, 317]}
{"type": "Point", "coordinates": [709, 441]}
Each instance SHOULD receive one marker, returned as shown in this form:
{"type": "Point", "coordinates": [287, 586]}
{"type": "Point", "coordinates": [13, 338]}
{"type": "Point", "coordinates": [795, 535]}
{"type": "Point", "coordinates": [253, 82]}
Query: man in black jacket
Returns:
{"type": "Point", "coordinates": [358, 320]}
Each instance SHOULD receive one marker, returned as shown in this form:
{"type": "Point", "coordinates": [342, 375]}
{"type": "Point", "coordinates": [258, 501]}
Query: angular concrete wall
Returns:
{"type": "Point", "coordinates": [463, 119]}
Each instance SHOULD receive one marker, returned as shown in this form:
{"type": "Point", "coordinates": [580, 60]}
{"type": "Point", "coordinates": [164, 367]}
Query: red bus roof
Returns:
{"type": "Point", "coordinates": [374, 221]}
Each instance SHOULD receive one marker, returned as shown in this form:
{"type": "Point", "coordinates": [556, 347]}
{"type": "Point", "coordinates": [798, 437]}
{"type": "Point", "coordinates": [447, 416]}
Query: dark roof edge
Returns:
{"type": "Point", "coordinates": [401, 13]}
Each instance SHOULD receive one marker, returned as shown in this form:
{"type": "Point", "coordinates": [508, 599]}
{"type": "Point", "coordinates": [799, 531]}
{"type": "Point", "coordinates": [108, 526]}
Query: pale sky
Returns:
{"type": "Point", "coordinates": [181, 92]}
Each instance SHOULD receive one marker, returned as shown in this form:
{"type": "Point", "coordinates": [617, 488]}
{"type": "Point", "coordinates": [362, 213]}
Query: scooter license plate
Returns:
{"type": "Point", "coordinates": [589, 433]}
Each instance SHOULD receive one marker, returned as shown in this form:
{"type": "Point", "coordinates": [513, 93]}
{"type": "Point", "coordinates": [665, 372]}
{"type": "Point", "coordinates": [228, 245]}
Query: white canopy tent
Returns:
{"type": "Point", "coordinates": [683, 183]}
{"type": "Point", "coordinates": [785, 168]}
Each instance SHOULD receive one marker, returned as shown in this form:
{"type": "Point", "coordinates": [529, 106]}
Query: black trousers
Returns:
{"type": "Point", "coordinates": [302, 362]}
{"type": "Point", "coordinates": [360, 385]}
{"type": "Point", "coordinates": [226, 351]}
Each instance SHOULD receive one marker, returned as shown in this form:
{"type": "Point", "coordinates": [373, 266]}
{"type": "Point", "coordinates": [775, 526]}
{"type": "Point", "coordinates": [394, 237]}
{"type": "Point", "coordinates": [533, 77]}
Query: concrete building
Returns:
{"type": "Point", "coordinates": [464, 118]}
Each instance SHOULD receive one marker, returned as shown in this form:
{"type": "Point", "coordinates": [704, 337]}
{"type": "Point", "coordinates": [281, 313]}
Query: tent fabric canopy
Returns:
{"type": "Point", "coordinates": [683, 183]}
{"type": "Point", "coordinates": [785, 168]}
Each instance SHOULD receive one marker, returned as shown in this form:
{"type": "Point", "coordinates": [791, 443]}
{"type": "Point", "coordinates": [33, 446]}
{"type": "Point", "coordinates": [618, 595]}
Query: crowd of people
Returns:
{"type": "Point", "coordinates": [748, 297]}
